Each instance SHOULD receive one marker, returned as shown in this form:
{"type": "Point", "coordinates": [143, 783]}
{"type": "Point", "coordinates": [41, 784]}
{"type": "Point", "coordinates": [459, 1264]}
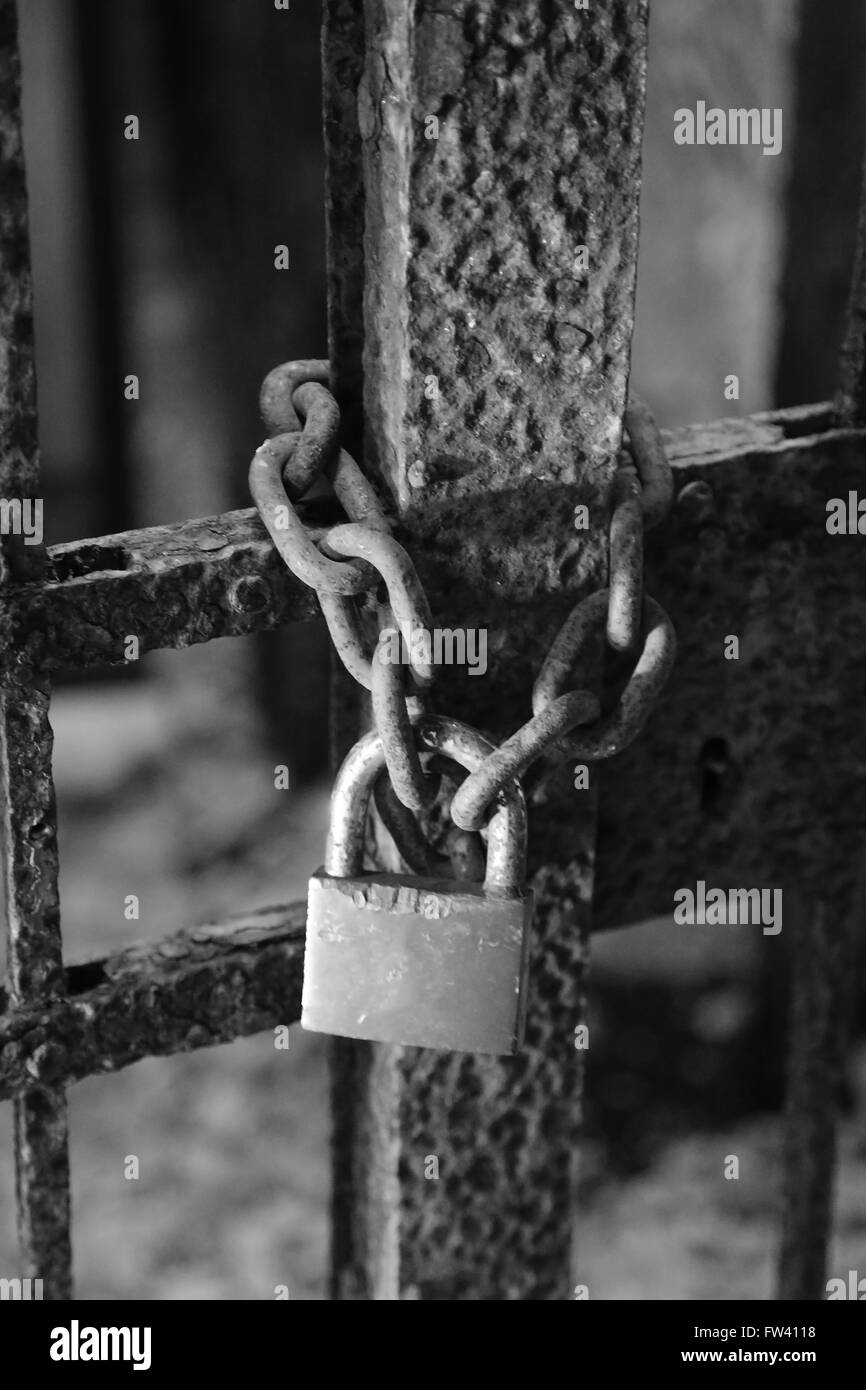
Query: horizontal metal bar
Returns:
{"type": "Point", "coordinates": [768, 432]}
{"type": "Point", "coordinates": [203, 986]}
{"type": "Point", "coordinates": [168, 586]}
{"type": "Point", "coordinates": [219, 576]}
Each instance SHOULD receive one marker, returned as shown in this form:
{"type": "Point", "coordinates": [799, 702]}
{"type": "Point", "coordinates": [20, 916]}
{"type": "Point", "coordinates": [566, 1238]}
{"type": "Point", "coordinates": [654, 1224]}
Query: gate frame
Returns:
{"type": "Point", "coordinates": [73, 605]}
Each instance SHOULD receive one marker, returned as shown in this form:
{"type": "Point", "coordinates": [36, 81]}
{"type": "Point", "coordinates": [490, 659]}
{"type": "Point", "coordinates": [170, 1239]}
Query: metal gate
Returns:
{"type": "Point", "coordinates": [471, 146]}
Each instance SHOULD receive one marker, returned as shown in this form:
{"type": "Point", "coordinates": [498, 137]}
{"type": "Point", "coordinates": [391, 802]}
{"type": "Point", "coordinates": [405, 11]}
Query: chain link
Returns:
{"type": "Point", "coordinates": [277, 396]}
{"type": "Point", "coordinates": [617, 729]}
{"type": "Point", "coordinates": [361, 557]}
{"type": "Point", "coordinates": [464, 849]}
{"type": "Point", "coordinates": [401, 825]}
{"type": "Point", "coordinates": [516, 754]}
{"type": "Point", "coordinates": [648, 451]}
{"type": "Point", "coordinates": [406, 596]}
{"type": "Point", "coordinates": [626, 561]}
{"type": "Point", "coordinates": [288, 532]}
{"type": "Point", "coordinates": [391, 717]}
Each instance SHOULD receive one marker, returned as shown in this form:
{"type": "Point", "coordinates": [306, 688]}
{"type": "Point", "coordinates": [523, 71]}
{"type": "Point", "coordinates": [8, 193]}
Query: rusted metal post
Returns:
{"type": "Point", "coordinates": [497, 140]}
{"type": "Point", "coordinates": [851, 395]}
{"type": "Point", "coordinates": [782, 801]}
{"type": "Point", "coordinates": [26, 788]}
{"type": "Point", "coordinates": [816, 1057]}
{"type": "Point", "coordinates": [824, 953]}
{"type": "Point", "coordinates": [820, 207]}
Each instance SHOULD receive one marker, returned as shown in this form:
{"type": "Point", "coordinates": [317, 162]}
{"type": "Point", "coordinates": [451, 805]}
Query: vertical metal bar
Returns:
{"type": "Point", "coordinates": [26, 787]}
{"type": "Point", "coordinates": [34, 956]}
{"type": "Point", "coordinates": [823, 960]}
{"type": "Point", "coordinates": [498, 138]}
{"type": "Point", "coordinates": [342, 69]}
{"type": "Point", "coordinates": [822, 971]}
{"type": "Point", "coordinates": [851, 395]}
{"type": "Point", "coordinates": [820, 205]}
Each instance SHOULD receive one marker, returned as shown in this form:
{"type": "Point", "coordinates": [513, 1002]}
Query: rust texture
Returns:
{"type": "Point", "coordinates": [169, 586]}
{"type": "Point", "coordinates": [823, 960]}
{"type": "Point", "coordinates": [219, 576]}
{"type": "Point", "coordinates": [730, 477]}
{"type": "Point", "coordinates": [19, 463]}
{"type": "Point", "coordinates": [202, 986]}
{"type": "Point", "coordinates": [494, 376]}
{"type": "Point", "coordinates": [26, 787]}
{"type": "Point", "coordinates": [341, 75]}
{"type": "Point", "coordinates": [763, 757]}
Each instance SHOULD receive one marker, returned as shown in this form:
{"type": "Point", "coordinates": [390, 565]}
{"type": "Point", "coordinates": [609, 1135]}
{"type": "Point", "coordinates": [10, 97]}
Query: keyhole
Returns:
{"type": "Point", "coordinates": [718, 774]}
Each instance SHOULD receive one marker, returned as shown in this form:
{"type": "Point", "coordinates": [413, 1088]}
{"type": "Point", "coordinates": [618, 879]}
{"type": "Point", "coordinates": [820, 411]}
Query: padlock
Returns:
{"type": "Point", "coordinates": [426, 962]}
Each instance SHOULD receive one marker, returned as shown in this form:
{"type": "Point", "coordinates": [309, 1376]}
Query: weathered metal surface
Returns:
{"type": "Point", "coordinates": [415, 852]}
{"type": "Point", "coordinates": [175, 585]}
{"type": "Point", "coordinates": [619, 727]}
{"type": "Point", "coordinates": [429, 961]}
{"type": "Point", "coordinates": [344, 209]}
{"type": "Point", "coordinates": [650, 460]}
{"type": "Point", "coordinates": [18, 443]}
{"type": "Point", "coordinates": [461, 745]}
{"type": "Point", "coordinates": [286, 529]}
{"type": "Point", "coordinates": [278, 412]}
{"type": "Point", "coordinates": [42, 1189]}
{"type": "Point", "coordinates": [625, 604]}
{"type": "Point", "coordinates": [34, 959]}
{"type": "Point", "coordinates": [29, 854]}
{"type": "Point", "coordinates": [825, 953]}
{"type": "Point", "coordinates": [745, 552]}
{"type": "Point", "coordinates": [511, 759]}
{"type": "Point", "coordinates": [405, 596]}
{"type": "Point", "coordinates": [752, 772]}
{"type": "Point", "coordinates": [419, 961]}
{"type": "Point", "coordinates": [507, 438]}
{"type": "Point", "coordinates": [169, 586]}
{"type": "Point", "coordinates": [29, 839]}
{"type": "Point", "coordinates": [851, 395]}
{"type": "Point", "coordinates": [823, 970]}
{"type": "Point", "coordinates": [202, 986]}
{"type": "Point", "coordinates": [495, 380]}
{"type": "Point", "coordinates": [735, 481]}
{"type": "Point", "coordinates": [179, 584]}
{"type": "Point", "coordinates": [390, 690]}
{"type": "Point", "coordinates": [826, 111]}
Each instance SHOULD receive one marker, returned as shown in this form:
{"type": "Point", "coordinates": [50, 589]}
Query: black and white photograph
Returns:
{"type": "Point", "coordinates": [432, 671]}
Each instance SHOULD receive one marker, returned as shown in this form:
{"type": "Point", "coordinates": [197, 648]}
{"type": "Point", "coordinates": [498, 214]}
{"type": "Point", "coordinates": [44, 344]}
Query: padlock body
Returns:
{"type": "Point", "coordinates": [423, 962]}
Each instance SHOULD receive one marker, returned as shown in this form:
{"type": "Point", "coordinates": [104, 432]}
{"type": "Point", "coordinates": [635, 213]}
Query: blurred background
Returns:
{"type": "Point", "coordinates": [155, 257]}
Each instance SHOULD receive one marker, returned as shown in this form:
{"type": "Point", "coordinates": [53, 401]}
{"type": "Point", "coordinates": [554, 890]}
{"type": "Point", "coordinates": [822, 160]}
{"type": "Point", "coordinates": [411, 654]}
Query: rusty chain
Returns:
{"type": "Point", "coordinates": [362, 558]}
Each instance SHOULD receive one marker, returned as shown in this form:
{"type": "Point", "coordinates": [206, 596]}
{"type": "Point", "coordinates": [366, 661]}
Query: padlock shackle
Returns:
{"type": "Point", "coordinates": [506, 837]}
